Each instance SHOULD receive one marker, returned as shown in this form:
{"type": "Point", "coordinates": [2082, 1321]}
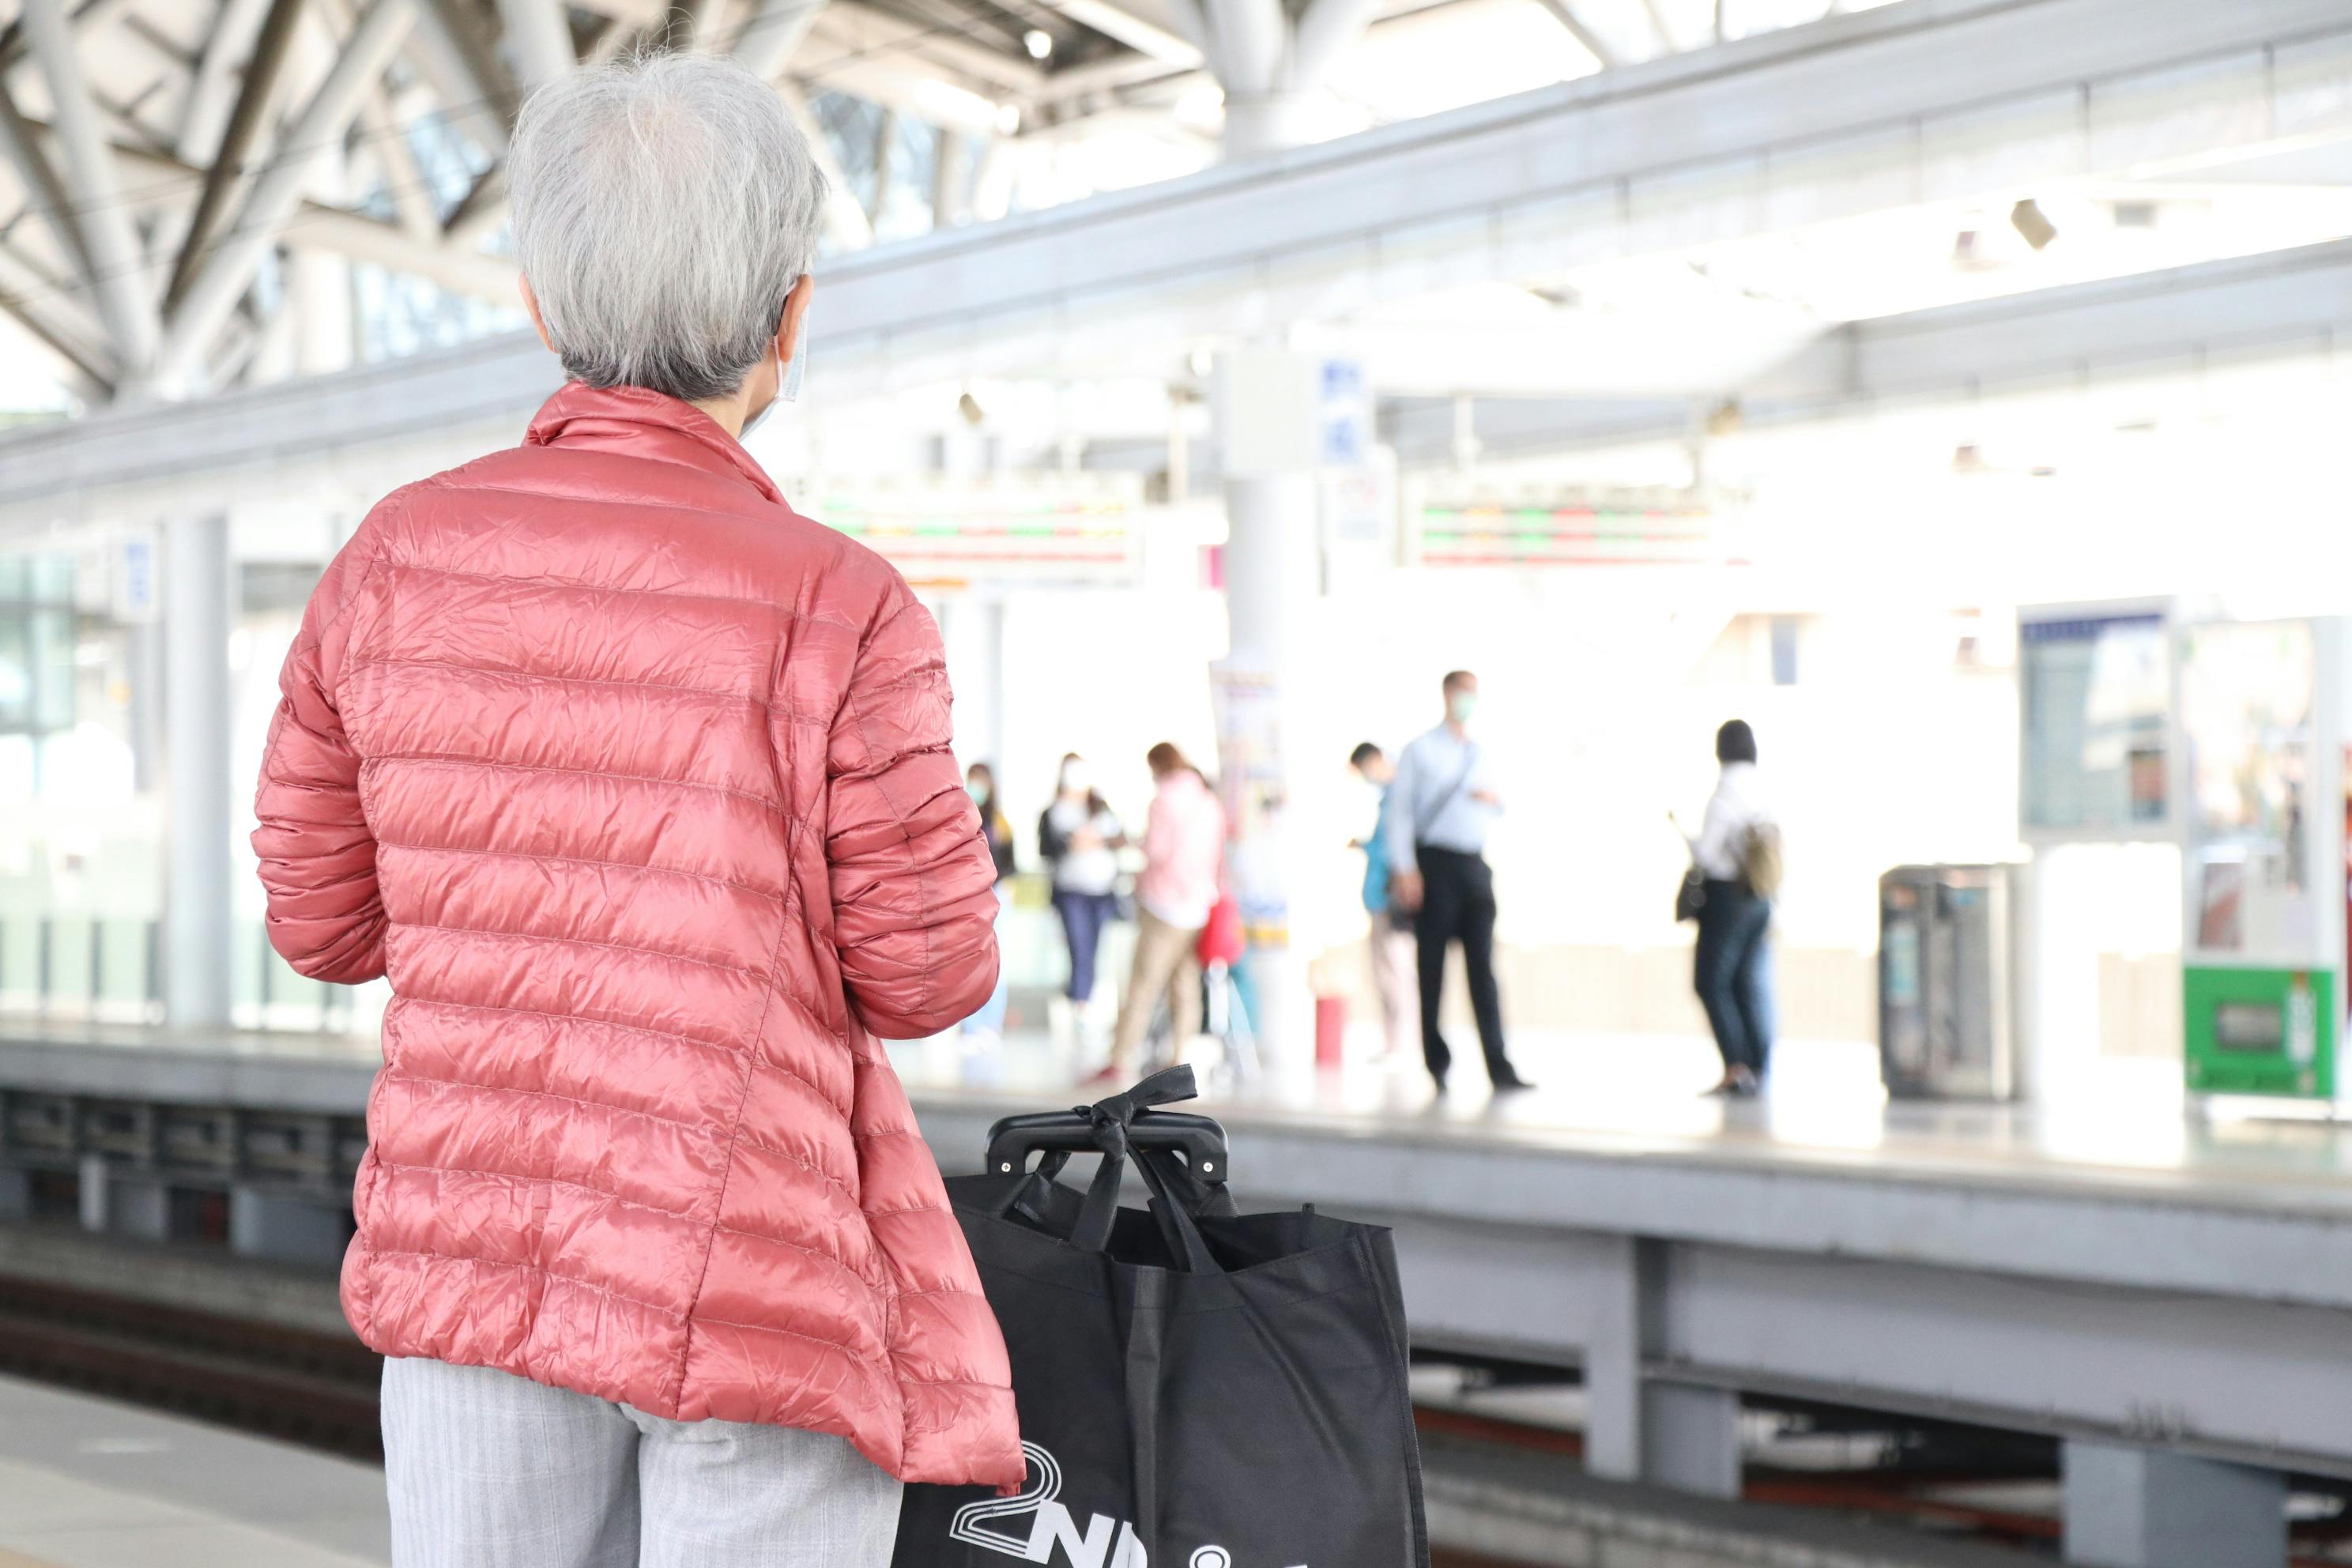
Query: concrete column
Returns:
{"type": "Point", "coordinates": [1612, 1363]}
{"type": "Point", "coordinates": [1260, 124]}
{"type": "Point", "coordinates": [1270, 66]}
{"type": "Point", "coordinates": [972, 629]}
{"type": "Point", "coordinates": [1690, 1439]}
{"type": "Point", "coordinates": [91, 1192]}
{"type": "Point", "coordinates": [288, 1230]}
{"type": "Point", "coordinates": [1641, 1428]}
{"type": "Point", "coordinates": [2128, 1507]}
{"type": "Point", "coordinates": [137, 1207]}
{"type": "Point", "coordinates": [198, 795]}
{"type": "Point", "coordinates": [1271, 570]}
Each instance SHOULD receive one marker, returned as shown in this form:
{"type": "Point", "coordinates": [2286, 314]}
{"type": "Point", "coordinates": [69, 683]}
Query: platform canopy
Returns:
{"type": "Point", "coordinates": [170, 164]}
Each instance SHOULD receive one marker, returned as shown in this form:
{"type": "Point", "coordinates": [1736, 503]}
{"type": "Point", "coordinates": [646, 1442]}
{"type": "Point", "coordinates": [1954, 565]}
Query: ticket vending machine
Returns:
{"type": "Point", "coordinates": [2260, 714]}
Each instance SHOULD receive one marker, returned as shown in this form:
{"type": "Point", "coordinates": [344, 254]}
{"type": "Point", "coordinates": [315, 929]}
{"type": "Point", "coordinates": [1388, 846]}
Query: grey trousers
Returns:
{"type": "Point", "coordinates": [491, 1470]}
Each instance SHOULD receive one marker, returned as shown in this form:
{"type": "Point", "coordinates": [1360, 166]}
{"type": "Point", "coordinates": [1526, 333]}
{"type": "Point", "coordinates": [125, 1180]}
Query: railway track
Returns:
{"type": "Point", "coordinates": [320, 1390]}
{"type": "Point", "coordinates": [304, 1387]}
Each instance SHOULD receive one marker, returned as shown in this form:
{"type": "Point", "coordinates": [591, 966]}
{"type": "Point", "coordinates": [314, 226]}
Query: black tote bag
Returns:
{"type": "Point", "coordinates": [1197, 1388]}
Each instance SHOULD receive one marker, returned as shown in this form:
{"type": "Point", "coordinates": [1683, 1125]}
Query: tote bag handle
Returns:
{"type": "Point", "coordinates": [1180, 1187]}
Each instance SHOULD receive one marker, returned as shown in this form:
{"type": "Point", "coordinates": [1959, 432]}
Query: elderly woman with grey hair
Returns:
{"type": "Point", "coordinates": [637, 784]}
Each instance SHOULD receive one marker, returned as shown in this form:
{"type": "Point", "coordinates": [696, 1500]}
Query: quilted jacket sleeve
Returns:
{"type": "Point", "coordinates": [318, 857]}
{"type": "Point", "coordinates": [913, 901]}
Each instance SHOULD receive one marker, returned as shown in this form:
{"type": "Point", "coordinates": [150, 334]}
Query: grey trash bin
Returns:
{"type": "Point", "coordinates": [1947, 981]}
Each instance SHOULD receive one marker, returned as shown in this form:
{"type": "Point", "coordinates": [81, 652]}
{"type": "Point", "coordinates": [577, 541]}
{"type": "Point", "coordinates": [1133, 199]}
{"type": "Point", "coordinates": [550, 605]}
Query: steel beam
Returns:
{"type": "Point", "coordinates": [1565, 14]}
{"type": "Point", "coordinates": [116, 260]}
{"type": "Point", "coordinates": [1249, 44]}
{"type": "Point", "coordinates": [857, 33]}
{"type": "Point", "coordinates": [214, 291]}
{"type": "Point", "coordinates": [466, 72]}
{"type": "Point", "coordinates": [54, 318]}
{"type": "Point", "coordinates": [765, 40]}
{"type": "Point", "coordinates": [480, 210]}
{"type": "Point", "coordinates": [1325, 30]}
{"type": "Point", "coordinates": [272, 47]}
{"type": "Point", "coordinates": [43, 188]}
{"type": "Point", "coordinates": [205, 116]}
{"type": "Point", "coordinates": [91, 15]}
{"type": "Point", "coordinates": [540, 36]}
{"type": "Point", "coordinates": [316, 226]}
{"type": "Point", "coordinates": [386, 139]}
{"type": "Point", "coordinates": [844, 220]}
{"type": "Point", "coordinates": [705, 23]}
{"type": "Point", "coordinates": [1179, 42]}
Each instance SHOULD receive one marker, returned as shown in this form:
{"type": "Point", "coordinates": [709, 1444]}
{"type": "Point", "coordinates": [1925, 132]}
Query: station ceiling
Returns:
{"type": "Point", "coordinates": [170, 164]}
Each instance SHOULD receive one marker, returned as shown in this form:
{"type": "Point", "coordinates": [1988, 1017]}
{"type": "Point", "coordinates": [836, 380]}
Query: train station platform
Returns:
{"type": "Point", "coordinates": [2167, 1297]}
{"type": "Point", "coordinates": [89, 1483]}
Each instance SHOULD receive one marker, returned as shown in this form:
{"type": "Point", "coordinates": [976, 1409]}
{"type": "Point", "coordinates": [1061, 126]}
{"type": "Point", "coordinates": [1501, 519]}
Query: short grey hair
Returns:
{"type": "Point", "coordinates": [663, 208]}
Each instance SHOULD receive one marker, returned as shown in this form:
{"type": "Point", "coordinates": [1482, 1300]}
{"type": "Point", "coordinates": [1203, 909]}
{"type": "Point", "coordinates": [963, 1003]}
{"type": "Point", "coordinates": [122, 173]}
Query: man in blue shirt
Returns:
{"type": "Point", "coordinates": [1391, 934]}
{"type": "Point", "coordinates": [1435, 822]}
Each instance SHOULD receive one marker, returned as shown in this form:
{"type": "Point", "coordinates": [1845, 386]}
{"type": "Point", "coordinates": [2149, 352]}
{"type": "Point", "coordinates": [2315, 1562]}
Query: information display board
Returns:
{"type": "Point", "coordinates": [2094, 696]}
{"type": "Point", "coordinates": [1040, 531]}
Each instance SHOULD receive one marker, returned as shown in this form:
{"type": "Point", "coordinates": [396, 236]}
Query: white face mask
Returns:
{"type": "Point", "coordinates": [788, 388]}
{"type": "Point", "coordinates": [788, 383]}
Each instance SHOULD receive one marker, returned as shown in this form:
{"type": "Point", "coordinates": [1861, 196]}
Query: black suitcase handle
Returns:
{"type": "Point", "coordinates": [1140, 1128]}
{"type": "Point", "coordinates": [1200, 1139]}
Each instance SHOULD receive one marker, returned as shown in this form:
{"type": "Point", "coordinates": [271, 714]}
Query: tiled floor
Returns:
{"type": "Point", "coordinates": [87, 1483]}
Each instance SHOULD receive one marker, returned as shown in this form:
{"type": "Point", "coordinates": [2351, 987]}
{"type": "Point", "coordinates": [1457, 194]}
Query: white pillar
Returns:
{"type": "Point", "coordinates": [2128, 1507]}
{"type": "Point", "coordinates": [197, 792]}
{"type": "Point", "coordinates": [972, 631]}
{"type": "Point", "coordinates": [1271, 122]}
{"type": "Point", "coordinates": [1271, 565]}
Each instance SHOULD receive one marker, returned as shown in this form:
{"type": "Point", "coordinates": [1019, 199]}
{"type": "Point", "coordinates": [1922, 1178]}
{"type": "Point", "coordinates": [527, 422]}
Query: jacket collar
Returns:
{"type": "Point", "coordinates": [637, 422]}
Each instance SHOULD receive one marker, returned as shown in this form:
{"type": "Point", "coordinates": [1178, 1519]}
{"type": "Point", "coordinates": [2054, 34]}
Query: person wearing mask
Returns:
{"type": "Point", "coordinates": [1440, 807]}
{"type": "Point", "coordinates": [987, 1026]}
{"type": "Point", "coordinates": [1391, 939]}
{"type": "Point", "coordinates": [1079, 838]}
{"type": "Point", "coordinates": [636, 784]}
{"type": "Point", "coordinates": [1737, 852]}
{"type": "Point", "coordinates": [1184, 858]}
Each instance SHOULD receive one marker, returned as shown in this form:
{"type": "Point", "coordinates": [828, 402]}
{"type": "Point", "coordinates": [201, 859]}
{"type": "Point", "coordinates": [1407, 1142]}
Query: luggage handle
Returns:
{"type": "Point", "coordinates": [1115, 1129]}
{"type": "Point", "coordinates": [1200, 1139]}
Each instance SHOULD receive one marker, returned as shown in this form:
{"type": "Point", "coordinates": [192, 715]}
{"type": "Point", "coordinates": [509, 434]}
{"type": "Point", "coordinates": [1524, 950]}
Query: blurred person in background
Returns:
{"type": "Point", "coordinates": [1440, 805]}
{"type": "Point", "coordinates": [1183, 861]}
{"type": "Point", "coordinates": [1737, 851]}
{"type": "Point", "coordinates": [986, 1027]}
{"type": "Point", "coordinates": [637, 785]}
{"type": "Point", "coordinates": [1391, 938]}
{"type": "Point", "coordinates": [1079, 837]}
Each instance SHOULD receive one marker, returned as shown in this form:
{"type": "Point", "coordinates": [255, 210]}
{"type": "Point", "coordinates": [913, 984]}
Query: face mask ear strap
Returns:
{"type": "Point", "coordinates": [788, 380]}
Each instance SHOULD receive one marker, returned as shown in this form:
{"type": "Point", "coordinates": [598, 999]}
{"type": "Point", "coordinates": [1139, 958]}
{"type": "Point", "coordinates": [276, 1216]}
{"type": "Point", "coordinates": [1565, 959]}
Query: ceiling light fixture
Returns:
{"type": "Point", "coordinates": [1038, 42]}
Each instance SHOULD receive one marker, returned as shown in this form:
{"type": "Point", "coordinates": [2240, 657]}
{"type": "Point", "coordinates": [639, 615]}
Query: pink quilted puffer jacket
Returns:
{"type": "Point", "coordinates": [637, 785]}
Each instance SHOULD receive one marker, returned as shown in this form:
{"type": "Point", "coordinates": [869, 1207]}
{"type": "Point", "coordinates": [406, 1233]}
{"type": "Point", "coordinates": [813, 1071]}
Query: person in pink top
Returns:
{"type": "Point", "coordinates": [1183, 856]}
